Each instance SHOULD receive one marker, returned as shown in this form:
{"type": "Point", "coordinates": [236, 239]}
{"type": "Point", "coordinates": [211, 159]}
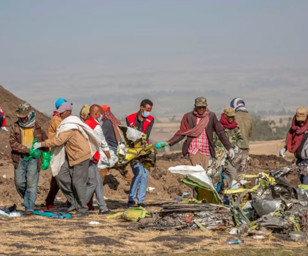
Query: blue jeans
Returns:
{"type": "Point", "coordinates": [140, 179]}
{"type": "Point", "coordinates": [26, 179]}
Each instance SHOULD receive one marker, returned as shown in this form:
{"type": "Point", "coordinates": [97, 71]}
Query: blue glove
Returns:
{"type": "Point", "coordinates": [162, 144]}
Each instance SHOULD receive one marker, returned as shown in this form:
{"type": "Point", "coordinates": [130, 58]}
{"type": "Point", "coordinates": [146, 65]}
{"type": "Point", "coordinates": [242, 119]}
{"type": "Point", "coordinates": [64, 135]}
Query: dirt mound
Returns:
{"type": "Point", "coordinates": [9, 103]}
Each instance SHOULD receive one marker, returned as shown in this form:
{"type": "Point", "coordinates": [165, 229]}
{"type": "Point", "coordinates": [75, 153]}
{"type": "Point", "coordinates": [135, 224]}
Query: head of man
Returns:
{"type": "Point", "coordinates": [23, 112]}
{"type": "Point", "coordinates": [65, 110]}
{"type": "Point", "coordinates": [146, 106]}
{"type": "Point", "coordinates": [96, 112]}
{"type": "Point", "coordinates": [200, 105]}
{"type": "Point", "coordinates": [229, 114]}
{"type": "Point", "coordinates": [301, 116]}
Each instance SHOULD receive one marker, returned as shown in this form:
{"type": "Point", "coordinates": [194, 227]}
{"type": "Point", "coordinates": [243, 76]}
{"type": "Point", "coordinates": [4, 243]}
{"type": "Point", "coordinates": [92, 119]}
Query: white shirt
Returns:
{"type": "Point", "coordinates": [99, 131]}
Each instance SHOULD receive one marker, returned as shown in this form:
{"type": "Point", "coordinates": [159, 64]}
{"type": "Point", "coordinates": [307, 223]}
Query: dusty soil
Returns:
{"type": "Point", "coordinates": [43, 236]}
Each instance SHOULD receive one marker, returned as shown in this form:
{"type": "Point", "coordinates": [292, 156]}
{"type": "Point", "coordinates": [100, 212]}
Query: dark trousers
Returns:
{"type": "Point", "coordinates": [52, 191]}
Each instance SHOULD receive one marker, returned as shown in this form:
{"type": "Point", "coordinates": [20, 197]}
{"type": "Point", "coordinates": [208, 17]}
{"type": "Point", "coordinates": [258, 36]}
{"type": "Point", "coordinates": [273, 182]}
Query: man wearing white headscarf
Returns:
{"type": "Point", "coordinates": [244, 120]}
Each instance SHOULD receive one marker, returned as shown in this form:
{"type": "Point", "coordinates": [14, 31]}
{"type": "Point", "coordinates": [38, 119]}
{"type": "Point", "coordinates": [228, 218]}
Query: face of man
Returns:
{"type": "Point", "coordinates": [200, 110]}
{"type": "Point", "coordinates": [301, 123]}
{"type": "Point", "coordinates": [98, 113]}
{"type": "Point", "coordinates": [230, 119]}
{"type": "Point", "coordinates": [24, 119]}
{"type": "Point", "coordinates": [147, 108]}
{"type": "Point", "coordinates": [65, 114]}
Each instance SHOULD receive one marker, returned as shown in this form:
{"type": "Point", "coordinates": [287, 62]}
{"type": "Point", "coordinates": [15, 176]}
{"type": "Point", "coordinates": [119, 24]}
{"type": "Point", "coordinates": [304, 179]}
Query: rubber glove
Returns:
{"type": "Point", "coordinates": [4, 129]}
{"type": "Point", "coordinates": [45, 160]}
{"type": "Point", "coordinates": [162, 144]}
{"type": "Point", "coordinates": [231, 153]}
{"type": "Point", "coordinates": [34, 153]}
{"type": "Point", "coordinates": [37, 145]}
{"type": "Point", "coordinates": [282, 151]}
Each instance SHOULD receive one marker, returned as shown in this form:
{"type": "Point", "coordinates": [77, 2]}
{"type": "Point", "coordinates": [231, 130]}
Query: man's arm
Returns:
{"type": "Point", "coordinates": [177, 138]}
{"type": "Point", "coordinates": [58, 141]}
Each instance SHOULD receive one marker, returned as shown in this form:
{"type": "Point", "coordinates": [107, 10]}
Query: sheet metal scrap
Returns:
{"type": "Point", "coordinates": [182, 215]}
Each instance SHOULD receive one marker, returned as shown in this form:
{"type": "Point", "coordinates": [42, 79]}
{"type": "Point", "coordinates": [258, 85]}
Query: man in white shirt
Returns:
{"type": "Point", "coordinates": [95, 182]}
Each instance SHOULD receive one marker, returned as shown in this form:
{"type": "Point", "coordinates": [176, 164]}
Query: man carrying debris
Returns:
{"type": "Point", "coordinates": [2, 121]}
{"type": "Point", "coordinates": [26, 173]}
{"type": "Point", "coordinates": [297, 142]}
{"type": "Point", "coordinates": [111, 133]}
{"type": "Point", "coordinates": [142, 121]}
{"type": "Point", "coordinates": [244, 120]}
{"type": "Point", "coordinates": [235, 137]}
{"type": "Point", "coordinates": [52, 130]}
{"type": "Point", "coordinates": [95, 182]}
{"type": "Point", "coordinates": [198, 126]}
{"type": "Point", "coordinates": [75, 144]}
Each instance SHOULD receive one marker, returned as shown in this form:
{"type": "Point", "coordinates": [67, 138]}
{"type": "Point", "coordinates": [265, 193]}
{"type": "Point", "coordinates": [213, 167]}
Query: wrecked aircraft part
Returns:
{"type": "Point", "coordinates": [264, 207]}
{"type": "Point", "coordinates": [275, 223]}
{"type": "Point", "coordinates": [210, 216]}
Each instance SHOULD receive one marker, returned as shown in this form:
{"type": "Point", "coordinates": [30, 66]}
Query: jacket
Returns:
{"type": "Point", "coordinates": [76, 146]}
{"type": "Point", "coordinates": [53, 125]}
{"type": "Point", "coordinates": [213, 126]}
{"type": "Point", "coordinates": [244, 121]}
{"type": "Point", "coordinates": [20, 151]}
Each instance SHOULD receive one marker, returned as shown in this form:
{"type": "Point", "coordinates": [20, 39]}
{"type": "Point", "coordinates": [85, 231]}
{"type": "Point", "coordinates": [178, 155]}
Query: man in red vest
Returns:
{"type": "Point", "coordinates": [142, 121]}
{"type": "Point", "coordinates": [95, 182]}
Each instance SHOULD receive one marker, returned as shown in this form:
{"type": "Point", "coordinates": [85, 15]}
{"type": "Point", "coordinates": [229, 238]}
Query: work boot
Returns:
{"type": "Point", "coordinates": [131, 203]}
{"type": "Point", "coordinates": [71, 208]}
{"type": "Point", "coordinates": [82, 214]}
{"type": "Point", "coordinates": [141, 205]}
{"type": "Point", "coordinates": [104, 211]}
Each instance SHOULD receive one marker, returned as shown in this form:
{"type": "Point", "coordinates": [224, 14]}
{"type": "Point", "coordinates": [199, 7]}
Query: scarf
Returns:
{"type": "Point", "coordinates": [31, 121]}
{"type": "Point", "coordinates": [72, 123]}
{"type": "Point", "coordinates": [225, 124]}
{"type": "Point", "coordinates": [295, 135]}
{"type": "Point", "coordinates": [115, 122]}
{"type": "Point", "coordinates": [196, 131]}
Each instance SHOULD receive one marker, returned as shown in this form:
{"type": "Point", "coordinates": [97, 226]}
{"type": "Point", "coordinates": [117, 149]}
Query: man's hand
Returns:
{"type": "Point", "coordinates": [282, 151]}
{"type": "Point", "coordinates": [4, 129]}
{"type": "Point", "coordinates": [236, 149]}
{"type": "Point", "coordinates": [37, 145]}
{"type": "Point", "coordinates": [231, 153]}
{"type": "Point", "coordinates": [162, 144]}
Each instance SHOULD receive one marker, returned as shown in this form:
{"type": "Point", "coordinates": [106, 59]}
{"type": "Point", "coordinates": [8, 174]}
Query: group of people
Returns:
{"type": "Point", "coordinates": [78, 143]}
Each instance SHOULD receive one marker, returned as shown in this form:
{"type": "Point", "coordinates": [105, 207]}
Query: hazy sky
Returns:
{"type": "Point", "coordinates": [118, 52]}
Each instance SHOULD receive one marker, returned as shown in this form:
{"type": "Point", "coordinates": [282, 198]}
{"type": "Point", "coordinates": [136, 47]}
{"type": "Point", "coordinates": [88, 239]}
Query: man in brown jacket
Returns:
{"type": "Point", "coordinates": [72, 134]}
{"type": "Point", "coordinates": [26, 173]}
{"type": "Point", "coordinates": [198, 126]}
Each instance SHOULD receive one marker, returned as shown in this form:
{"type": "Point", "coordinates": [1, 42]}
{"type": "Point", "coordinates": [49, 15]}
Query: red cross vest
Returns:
{"type": "Point", "coordinates": [132, 121]}
{"type": "Point", "coordinates": [92, 123]}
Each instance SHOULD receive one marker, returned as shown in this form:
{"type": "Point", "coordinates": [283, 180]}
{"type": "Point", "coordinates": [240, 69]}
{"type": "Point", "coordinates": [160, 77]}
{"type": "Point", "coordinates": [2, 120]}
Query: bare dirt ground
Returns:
{"type": "Point", "coordinates": [44, 236]}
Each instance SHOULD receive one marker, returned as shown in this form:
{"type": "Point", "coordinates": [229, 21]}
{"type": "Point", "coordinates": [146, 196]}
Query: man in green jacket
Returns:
{"type": "Point", "coordinates": [244, 120]}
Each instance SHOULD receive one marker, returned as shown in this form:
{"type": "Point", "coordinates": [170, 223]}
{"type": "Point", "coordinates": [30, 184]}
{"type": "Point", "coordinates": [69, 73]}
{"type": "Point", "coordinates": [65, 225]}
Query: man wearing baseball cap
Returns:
{"type": "Point", "coordinates": [198, 127]}
{"type": "Point", "coordinates": [297, 142]}
{"type": "Point", "coordinates": [26, 173]}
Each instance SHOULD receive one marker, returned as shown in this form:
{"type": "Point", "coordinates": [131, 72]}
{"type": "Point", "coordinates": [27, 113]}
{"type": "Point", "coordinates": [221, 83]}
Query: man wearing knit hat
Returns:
{"type": "Point", "coordinates": [244, 120]}
{"type": "Point", "coordinates": [297, 142]}
{"type": "Point", "coordinates": [198, 127]}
